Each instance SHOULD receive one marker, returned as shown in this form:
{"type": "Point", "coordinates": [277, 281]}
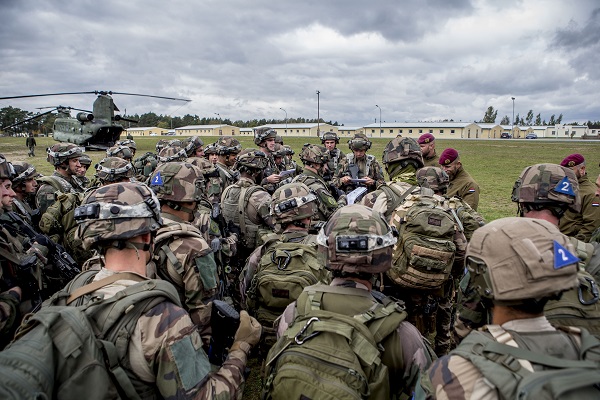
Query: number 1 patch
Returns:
{"type": "Point", "coordinates": [563, 257]}
{"type": "Point", "coordinates": [565, 187]}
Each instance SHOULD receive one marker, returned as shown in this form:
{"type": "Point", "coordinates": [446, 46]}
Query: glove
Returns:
{"type": "Point", "coordinates": [248, 333]}
{"type": "Point", "coordinates": [215, 245]}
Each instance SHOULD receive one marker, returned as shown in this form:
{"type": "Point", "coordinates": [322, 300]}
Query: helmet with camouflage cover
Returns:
{"type": "Point", "coordinates": [208, 169]}
{"type": "Point", "coordinates": [211, 149]}
{"type": "Point", "coordinates": [178, 182]}
{"type": "Point", "coordinates": [330, 136]}
{"type": "Point", "coordinates": [262, 134]}
{"type": "Point", "coordinates": [548, 186]}
{"type": "Point", "coordinates": [288, 150]}
{"type": "Point", "coordinates": [85, 160]}
{"type": "Point", "coordinates": [120, 151]}
{"type": "Point", "coordinates": [513, 260]}
{"type": "Point", "coordinates": [359, 142]}
{"type": "Point", "coordinates": [161, 144]}
{"type": "Point", "coordinates": [228, 145]}
{"type": "Point", "coordinates": [129, 143]}
{"type": "Point", "coordinates": [112, 169]}
{"type": "Point", "coordinates": [357, 239]}
{"type": "Point", "coordinates": [403, 150]}
{"type": "Point", "coordinates": [171, 153]}
{"type": "Point", "coordinates": [175, 143]}
{"type": "Point", "coordinates": [278, 139]}
{"type": "Point", "coordinates": [7, 171]}
{"type": "Point", "coordinates": [62, 152]}
{"type": "Point", "coordinates": [252, 159]}
{"type": "Point", "coordinates": [434, 178]}
{"type": "Point", "coordinates": [314, 154]}
{"type": "Point", "coordinates": [114, 213]}
{"type": "Point", "coordinates": [293, 202]}
{"type": "Point", "coordinates": [23, 172]}
{"type": "Point", "coordinates": [278, 151]}
{"type": "Point", "coordinates": [192, 144]}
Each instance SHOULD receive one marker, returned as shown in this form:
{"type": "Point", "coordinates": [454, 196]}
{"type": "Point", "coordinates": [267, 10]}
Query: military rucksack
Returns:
{"type": "Point", "coordinates": [145, 165]}
{"type": "Point", "coordinates": [327, 355]}
{"type": "Point", "coordinates": [80, 351]}
{"type": "Point", "coordinates": [234, 200]}
{"type": "Point", "coordinates": [508, 367]}
{"type": "Point", "coordinates": [424, 254]}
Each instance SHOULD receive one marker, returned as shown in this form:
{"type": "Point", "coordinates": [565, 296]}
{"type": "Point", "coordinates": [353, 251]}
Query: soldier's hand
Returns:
{"type": "Point", "coordinates": [345, 179]}
{"type": "Point", "coordinates": [249, 330]}
{"type": "Point", "coordinates": [369, 181]}
{"type": "Point", "coordinates": [274, 178]}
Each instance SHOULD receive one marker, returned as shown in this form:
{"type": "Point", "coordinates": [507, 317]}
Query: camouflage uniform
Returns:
{"type": "Point", "coordinates": [24, 171]}
{"type": "Point", "coordinates": [260, 139]}
{"type": "Point", "coordinates": [366, 166]}
{"type": "Point", "coordinates": [145, 165]}
{"type": "Point", "coordinates": [581, 225]}
{"type": "Point", "coordinates": [335, 155]}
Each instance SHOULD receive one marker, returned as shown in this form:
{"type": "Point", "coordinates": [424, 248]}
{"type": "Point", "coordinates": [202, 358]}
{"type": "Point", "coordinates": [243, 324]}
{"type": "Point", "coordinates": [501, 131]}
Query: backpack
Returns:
{"type": "Point", "coordinates": [509, 367]}
{"type": "Point", "coordinates": [424, 254]}
{"type": "Point", "coordinates": [234, 200]}
{"type": "Point", "coordinates": [326, 355]}
{"type": "Point", "coordinates": [78, 351]}
{"type": "Point", "coordinates": [145, 165]}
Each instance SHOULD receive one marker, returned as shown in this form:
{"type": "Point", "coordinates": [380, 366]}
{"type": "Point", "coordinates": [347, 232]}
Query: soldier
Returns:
{"type": "Point", "coordinates": [461, 183]}
{"type": "Point", "coordinates": [357, 243]}
{"type": "Point", "coordinates": [129, 142]}
{"type": "Point", "coordinates": [427, 143]}
{"type": "Point", "coordinates": [30, 143]}
{"type": "Point", "coordinates": [315, 159]}
{"type": "Point", "coordinates": [123, 152]}
{"type": "Point", "coordinates": [65, 158]}
{"type": "Point", "coordinates": [330, 140]}
{"type": "Point", "coordinates": [264, 138]}
{"type": "Point", "coordinates": [358, 168]}
{"type": "Point", "coordinates": [210, 153]}
{"type": "Point", "coordinates": [194, 147]}
{"type": "Point", "coordinates": [519, 264]}
{"type": "Point", "coordinates": [163, 355]}
{"type": "Point", "coordinates": [171, 154]}
{"type": "Point", "coordinates": [25, 187]}
{"type": "Point", "coordinates": [227, 149]}
{"type": "Point", "coordinates": [581, 225]}
{"type": "Point", "coordinates": [181, 254]}
{"type": "Point", "coordinates": [85, 162]}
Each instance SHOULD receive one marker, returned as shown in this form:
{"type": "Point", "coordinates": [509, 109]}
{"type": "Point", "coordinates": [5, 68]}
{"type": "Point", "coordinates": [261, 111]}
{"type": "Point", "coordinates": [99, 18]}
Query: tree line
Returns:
{"type": "Point", "coordinates": [529, 120]}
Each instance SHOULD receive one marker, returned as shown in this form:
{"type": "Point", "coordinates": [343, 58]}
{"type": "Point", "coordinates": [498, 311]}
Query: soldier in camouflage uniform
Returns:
{"type": "Point", "coordinates": [25, 187]}
{"type": "Point", "coordinates": [427, 143]}
{"type": "Point", "coordinates": [581, 225]}
{"type": "Point", "coordinates": [129, 143]}
{"type": "Point", "coordinates": [358, 168]}
{"type": "Point", "coordinates": [227, 149]}
{"type": "Point", "coordinates": [65, 158]}
{"type": "Point", "coordinates": [330, 140]}
{"type": "Point", "coordinates": [123, 152]}
{"type": "Point", "coordinates": [181, 254]}
{"type": "Point", "coordinates": [517, 269]}
{"type": "Point", "coordinates": [194, 147]}
{"type": "Point", "coordinates": [461, 183]}
{"type": "Point", "coordinates": [144, 165]}
{"type": "Point", "coordinates": [171, 154]}
{"type": "Point", "coordinates": [85, 162]}
{"type": "Point", "coordinates": [354, 268]}
{"type": "Point", "coordinates": [264, 138]}
{"type": "Point", "coordinates": [315, 159]}
{"type": "Point", "coordinates": [211, 154]}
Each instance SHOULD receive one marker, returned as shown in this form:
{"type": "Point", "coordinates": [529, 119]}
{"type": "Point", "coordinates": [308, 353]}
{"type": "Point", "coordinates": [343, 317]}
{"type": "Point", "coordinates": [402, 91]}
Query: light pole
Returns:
{"type": "Point", "coordinates": [512, 127]}
{"type": "Point", "coordinates": [285, 119]}
{"type": "Point", "coordinates": [220, 124]}
{"type": "Point", "coordinates": [318, 116]}
{"type": "Point", "coordinates": [379, 119]}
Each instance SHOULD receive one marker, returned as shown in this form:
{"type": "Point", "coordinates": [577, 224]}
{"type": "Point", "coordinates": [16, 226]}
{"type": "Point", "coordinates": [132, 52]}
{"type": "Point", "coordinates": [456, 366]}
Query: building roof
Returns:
{"type": "Point", "coordinates": [190, 127]}
{"type": "Point", "coordinates": [420, 125]}
{"type": "Point", "coordinates": [142, 128]}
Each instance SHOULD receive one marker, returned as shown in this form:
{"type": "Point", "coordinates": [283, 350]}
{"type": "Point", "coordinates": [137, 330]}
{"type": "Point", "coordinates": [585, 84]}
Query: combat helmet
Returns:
{"type": "Point", "coordinates": [262, 134]}
{"type": "Point", "coordinates": [171, 153]}
{"type": "Point", "coordinates": [211, 149]}
{"type": "Point", "coordinates": [356, 240]}
{"type": "Point", "coordinates": [120, 151]}
{"type": "Point", "coordinates": [548, 186]}
{"type": "Point", "coordinates": [23, 172]}
{"type": "Point", "coordinates": [434, 178]}
{"type": "Point", "coordinates": [252, 159]}
{"type": "Point", "coordinates": [62, 152]}
{"type": "Point", "coordinates": [112, 214]}
{"type": "Point", "coordinates": [129, 143]}
{"type": "Point", "coordinates": [403, 150]}
{"type": "Point", "coordinates": [177, 182]}
{"type": "Point", "coordinates": [315, 154]}
{"type": "Point", "coordinates": [112, 169]}
{"type": "Point", "coordinates": [288, 150]}
{"type": "Point", "coordinates": [278, 139]}
{"type": "Point", "coordinates": [228, 145]}
{"type": "Point", "coordinates": [208, 169]}
{"type": "Point", "coordinates": [278, 151]}
{"type": "Point", "coordinates": [7, 171]}
{"type": "Point", "coordinates": [359, 142]}
{"type": "Point", "coordinates": [513, 260]}
{"type": "Point", "coordinates": [192, 144]}
{"type": "Point", "coordinates": [293, 202]}
{"type": "Point", "coordinates": [85, 160]}
{"type": "Point", "coordinates": [161, 144]}
{"type": "Point", "coordinates": [330, 136]}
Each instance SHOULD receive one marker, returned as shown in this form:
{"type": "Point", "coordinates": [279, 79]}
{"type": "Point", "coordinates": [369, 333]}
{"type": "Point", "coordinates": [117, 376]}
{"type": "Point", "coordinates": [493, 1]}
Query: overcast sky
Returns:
{"type": "Point", "coordinates": [245, 59]}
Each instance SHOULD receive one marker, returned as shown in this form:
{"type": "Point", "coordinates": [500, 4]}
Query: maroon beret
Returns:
{"type": "Point", "coordinates": [448, 156]}
{"type": "Point", "coordinates": [572, 160]}
{"type": "Point", "coordinates": [426, 138]}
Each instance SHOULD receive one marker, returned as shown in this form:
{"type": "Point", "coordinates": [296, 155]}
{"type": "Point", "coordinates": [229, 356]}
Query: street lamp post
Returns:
{"type": "Point", "coordinates": [286, 130]}
{"type": "Point", "coordinates": [318, 115]}
{"type": "Point", "coordinates": [512, 127]}
{"type": "Point", "coordinates": [379, 119]}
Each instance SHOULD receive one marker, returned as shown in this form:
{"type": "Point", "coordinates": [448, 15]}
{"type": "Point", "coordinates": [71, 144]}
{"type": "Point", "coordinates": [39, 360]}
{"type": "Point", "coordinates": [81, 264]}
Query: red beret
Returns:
{"type": "Point", "coordinates": [572, 160]}
{"type": "Point", "coordinates": [448, 156]}
{"type": "Point", "coordinates": [426, 138]}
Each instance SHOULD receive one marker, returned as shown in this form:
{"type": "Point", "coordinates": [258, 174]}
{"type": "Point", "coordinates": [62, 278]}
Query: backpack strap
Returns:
{"type": "Point", "coordinates": [390, 189]}
{"type": "Point", "coordinates": [92, 287]}
{"type": "Point", "coordinates": [504, 337]}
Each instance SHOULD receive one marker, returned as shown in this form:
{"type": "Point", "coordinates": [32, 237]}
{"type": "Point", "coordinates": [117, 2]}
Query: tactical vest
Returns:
{"type": "Point", "coordinates": [370, 159]}
{"type": "Point", "coordinates": [234, 202]}
{"type": "Point", "coordinates": [60, 184]}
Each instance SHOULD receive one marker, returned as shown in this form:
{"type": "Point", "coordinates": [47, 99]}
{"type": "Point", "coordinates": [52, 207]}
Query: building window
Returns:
{"type": "Point", "coordinates": [441, 131]}
{"type": "Point", "coordinates": [391, 131]}
{"type": "Point", "coordinates": [566, 133]}
{"type": "Point", "coordinates": [410, 131]}
{"type": "Point", "coordinates": [420, 130]}
{"type": "Point", "coordinates": [553, 133]}
{"type": "Point", "coordinates": [372, 130]}
{"type": "Point", "coordinates": [431, 131]}
{"type": "Point", "coordinates": [400, 130]}
{"type": "Point", "coordinates": [451, 130]}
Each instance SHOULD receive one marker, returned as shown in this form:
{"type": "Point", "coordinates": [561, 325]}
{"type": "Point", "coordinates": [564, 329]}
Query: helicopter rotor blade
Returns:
{"type": "Point", "coordinates": [45, 94]}
{"type": "Point", "coordinates": [149, 95]}
{"type": "Point", "coordinates": [28, 119]}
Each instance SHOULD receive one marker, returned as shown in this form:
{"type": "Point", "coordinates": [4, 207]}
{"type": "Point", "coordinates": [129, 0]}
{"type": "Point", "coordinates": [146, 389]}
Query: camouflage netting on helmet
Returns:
{"type": "Point", "coordinates": [330, 136]}
{"type": "Point", "coordinates": [172, 153]}
{"type": "Point", "coordinates": [23, 172]}
{"type": "Point", "coordinates": [312, 153]}
{"type": "Point", "coordinates": [120, 151]}
{"type": "Point", "coordinates": [515, 259]}
{"type": "Point", "coordinates": [111, 169]}
{"type": "Point", "coordinates": [293, 202]}
{"type": "Point", "coordinates": [359, 142]}
{"type": "Point", "coordinates": [251, 158]}
{"type": "Point", "coordinates": [548, 184]}
{"type": "Point", "coordinates": [192, 144]}
{"type": "Point", "coordinates": [62, 152]}
{"type": "Point", "coordinates": [117, 212]}
{"type": "Point", "coordinates": [177, 181]}
{"type": "Point", "coordinates": [228, 145]}
{"type": "Point", "coordinates": [7, 171]}
{"type": "Point", "coordinates": [357, 239]}
{"type": "Point", "coordinates": [262, 134]}
{"type": "Point", "coordinates": [434, 178]}
{"type": "Point", "coordinates": [403, 149]}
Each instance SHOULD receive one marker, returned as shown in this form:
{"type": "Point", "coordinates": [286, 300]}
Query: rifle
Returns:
{"type": "Point", "coordinates": [57, 255]}
{"type": "Point", "coordinates": [20, 273]}
{"type": "Point", "coordinates": [224, 321]}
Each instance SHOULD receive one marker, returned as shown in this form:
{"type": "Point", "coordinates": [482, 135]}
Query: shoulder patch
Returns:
{"type": "Point", "coordinates": [565, 187]}
{"type": "Point", "coordinates": [563, 257]}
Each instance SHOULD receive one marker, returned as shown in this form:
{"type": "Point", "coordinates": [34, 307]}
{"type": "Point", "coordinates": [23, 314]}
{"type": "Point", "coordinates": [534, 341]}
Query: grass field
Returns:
{"type": "Point", "coordinates": [495, 164]}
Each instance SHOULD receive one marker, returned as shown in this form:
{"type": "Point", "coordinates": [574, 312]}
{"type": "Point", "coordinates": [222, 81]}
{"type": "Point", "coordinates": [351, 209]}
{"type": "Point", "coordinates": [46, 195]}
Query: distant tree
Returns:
{"type": "Point", "coordinates": [552, 120]}
{"type": "Point", "coordinates": [559, 119]}
{"type": "Point", "coordinates": [516, 121]}
{"type": "Point", "coordinates": [489, 116]}
{"type": "Point", "coordinates": [538, 120]}
{"type": "Point", "coordinates": [529, 119]}
{"type": "Point", "coordinates": [505, 120]}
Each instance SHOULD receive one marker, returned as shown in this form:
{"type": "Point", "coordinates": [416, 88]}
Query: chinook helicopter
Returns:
{"type": "Point", "coordinates": [95, 130]}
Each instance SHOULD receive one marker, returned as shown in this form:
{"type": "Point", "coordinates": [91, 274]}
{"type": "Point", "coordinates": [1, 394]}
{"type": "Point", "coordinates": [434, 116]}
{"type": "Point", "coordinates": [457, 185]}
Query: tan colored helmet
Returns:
{"type": "Point", "coordinates": [403, 150]}
{"type": "Point", "coordinates": [161, 144]}
{"type": "Point", "coordinates": [112, 169]}
{"type": "Point", "coordinates": [7, 171]}
{"type": "Point", "coordinates": [359, 142]}
{"type": "Point", "coordinates": [515, 259]}
{"type": "Point", "coordinates": [115, 213]}
{"type": "Point", "coordinates": [178, 182]}
{"type": "Point", "coordinates": [120, 151]}
{"type": "Point", "coordinates": [262, 134]}
{"type": "Point", "coordinates": [61, 152]}
{"type": "Point", "coordinates": [171, 153]}
{"type": "Point", "coordinates": [434, 178]}
{"type": "Point", "coordinates": [251, 158]}
{"type": "Point", "coordinates": [127, 142]}
{"type": "Point", "coordinates": [228, 145]}
{"type": "Point", "coordinates": [357, 239]}
{"type": "Point", "coordinates": [192, 144]}
{"type": "Point", "coordinates": [293, 202]}
{"type": "Point", "coordinates": [23, 172]}
{"type": "Point", "coordinates": [547, 185]}
{"type": "Point", "coordinates": [329, 136]}
{"type": "Point", "coordinates": [315, 154]}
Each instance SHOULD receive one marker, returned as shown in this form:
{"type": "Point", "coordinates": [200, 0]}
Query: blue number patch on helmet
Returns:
{"type": "Point", "coordinates": [157, 180]}
{"type": "Point", "coordinates": [563, 257]}
{"type": "Point", "coordinates": [564, 187]}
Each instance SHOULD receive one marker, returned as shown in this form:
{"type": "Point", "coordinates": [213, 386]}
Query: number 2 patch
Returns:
{"type": "Point", "coordinates": [563, 257]}
{"type": "Point", "coordinates": [564, 187]}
